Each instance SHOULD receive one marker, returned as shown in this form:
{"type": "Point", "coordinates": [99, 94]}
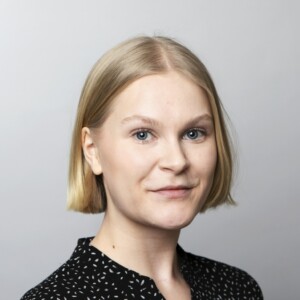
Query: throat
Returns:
{"type": "Point", "coordinates": [146, 253]}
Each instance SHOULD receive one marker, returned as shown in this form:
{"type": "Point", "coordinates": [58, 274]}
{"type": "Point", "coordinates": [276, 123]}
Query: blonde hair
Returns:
{"type": "Point", "coordinates": [123, 64]}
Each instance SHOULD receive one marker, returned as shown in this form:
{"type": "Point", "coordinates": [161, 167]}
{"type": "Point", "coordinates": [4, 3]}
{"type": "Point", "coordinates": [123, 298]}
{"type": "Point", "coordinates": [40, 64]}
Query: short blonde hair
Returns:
{"type": "Point", "coordinates": [120, 66]}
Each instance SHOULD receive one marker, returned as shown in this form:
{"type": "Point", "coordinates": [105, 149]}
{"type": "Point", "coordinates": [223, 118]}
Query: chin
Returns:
{"type": "Point", "coordinates": [176, 223]}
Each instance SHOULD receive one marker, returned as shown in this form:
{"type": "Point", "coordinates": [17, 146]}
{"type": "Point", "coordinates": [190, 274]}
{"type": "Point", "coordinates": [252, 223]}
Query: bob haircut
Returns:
{"type": "Point", "coordinates": [112, 73]}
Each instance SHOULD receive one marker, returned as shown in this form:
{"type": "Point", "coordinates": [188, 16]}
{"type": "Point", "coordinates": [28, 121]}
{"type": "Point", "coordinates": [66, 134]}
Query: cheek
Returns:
{"type": "Point", "coordinates": [206, 162]}
{"type": "Point", "coordinates": [211, 160]}
{"type": "Point", "coordinates": [126, 162]}
{"type": "Point", "coordinates": [140, 158]}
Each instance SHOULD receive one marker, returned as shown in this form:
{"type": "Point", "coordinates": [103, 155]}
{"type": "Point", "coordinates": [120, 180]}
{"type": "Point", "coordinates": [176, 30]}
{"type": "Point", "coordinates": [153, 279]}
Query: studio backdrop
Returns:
{"type": "Point", "coordinates": [251, 49]}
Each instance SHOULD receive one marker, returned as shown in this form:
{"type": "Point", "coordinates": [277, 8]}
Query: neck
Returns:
{"type": "Point", "coordinates": [149, 251]}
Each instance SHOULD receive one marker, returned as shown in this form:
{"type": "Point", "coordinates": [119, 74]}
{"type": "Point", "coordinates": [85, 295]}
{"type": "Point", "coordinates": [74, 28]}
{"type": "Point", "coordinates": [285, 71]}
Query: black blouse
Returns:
{"type": "Point", "coordinates": [89, 274]}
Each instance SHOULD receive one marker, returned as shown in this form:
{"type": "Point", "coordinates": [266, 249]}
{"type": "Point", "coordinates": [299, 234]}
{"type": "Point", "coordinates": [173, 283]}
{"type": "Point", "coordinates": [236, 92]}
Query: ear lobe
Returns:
{"type": "Point", "coordinates": [90, 151]}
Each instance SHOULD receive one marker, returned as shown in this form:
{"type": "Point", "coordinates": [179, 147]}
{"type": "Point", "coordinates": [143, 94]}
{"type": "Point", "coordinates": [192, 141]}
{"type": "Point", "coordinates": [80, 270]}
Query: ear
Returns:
{"type": "Point", "coordinates": [90, 151]}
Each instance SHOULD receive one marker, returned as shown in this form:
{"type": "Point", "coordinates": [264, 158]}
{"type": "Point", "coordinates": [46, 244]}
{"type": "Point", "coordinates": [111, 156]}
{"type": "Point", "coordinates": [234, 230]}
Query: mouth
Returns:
{"type": "Point", "coordinates": [174, 192]}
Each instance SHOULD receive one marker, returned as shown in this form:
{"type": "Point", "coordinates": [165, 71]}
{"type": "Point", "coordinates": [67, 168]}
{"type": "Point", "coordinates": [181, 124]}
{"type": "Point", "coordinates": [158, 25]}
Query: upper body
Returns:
{"type": "Point", "coordinates": [150, 149]}
{"type": "Point", "coordinates": [90, 274]}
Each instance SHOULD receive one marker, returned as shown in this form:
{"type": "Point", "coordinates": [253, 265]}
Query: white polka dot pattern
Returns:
{"type": "Point", "coordinates": [91, 275]}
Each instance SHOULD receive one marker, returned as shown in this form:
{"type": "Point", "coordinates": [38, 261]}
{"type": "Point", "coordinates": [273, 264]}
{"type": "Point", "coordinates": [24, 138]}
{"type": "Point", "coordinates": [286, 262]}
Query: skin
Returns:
{"type": "Point", "coordinates": [157, 153]}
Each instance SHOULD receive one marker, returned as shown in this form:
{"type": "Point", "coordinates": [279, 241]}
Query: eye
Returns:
{"type": "Point", "coordinates": [194, 134]}
{"type": "Point", "coordinates": [143, 135]}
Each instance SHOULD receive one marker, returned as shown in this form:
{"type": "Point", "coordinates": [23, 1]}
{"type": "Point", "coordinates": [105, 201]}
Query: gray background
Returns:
{"type": "Point", "coordinates": [252, 50]}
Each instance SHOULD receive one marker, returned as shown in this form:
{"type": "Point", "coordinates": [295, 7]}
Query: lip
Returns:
{"type": "Point", "coordinates": [174, 192]}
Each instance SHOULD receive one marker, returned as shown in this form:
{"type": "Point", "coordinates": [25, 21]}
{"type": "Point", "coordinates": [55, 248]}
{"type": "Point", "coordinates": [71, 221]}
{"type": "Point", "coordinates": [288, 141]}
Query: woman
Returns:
{"type": "Point", "coordinates": [150, 149]}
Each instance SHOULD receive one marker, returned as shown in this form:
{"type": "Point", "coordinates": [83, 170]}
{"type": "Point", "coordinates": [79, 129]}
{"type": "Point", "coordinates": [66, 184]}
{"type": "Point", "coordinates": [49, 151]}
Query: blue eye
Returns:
{"type": "Point", "coordinates": [194, 134]}
{"type": "Point", "coordinates": [142, 135]}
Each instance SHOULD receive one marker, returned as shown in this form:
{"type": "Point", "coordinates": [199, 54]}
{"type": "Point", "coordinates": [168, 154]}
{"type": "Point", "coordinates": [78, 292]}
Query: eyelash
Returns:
{"type": "Point", "coordinates": [142, 130]}
{"type": "Point", "coordinates": [200, 131]}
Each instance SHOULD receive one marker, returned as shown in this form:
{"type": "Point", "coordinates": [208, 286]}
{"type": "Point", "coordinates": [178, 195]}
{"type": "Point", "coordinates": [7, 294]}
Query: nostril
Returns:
{"type": "Point", "coordinates": [174, 160]}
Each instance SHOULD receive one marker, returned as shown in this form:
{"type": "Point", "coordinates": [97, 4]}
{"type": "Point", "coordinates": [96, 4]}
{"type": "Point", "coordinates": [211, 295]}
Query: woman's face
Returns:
{"type": "Point", "coordinates": [157, 152]}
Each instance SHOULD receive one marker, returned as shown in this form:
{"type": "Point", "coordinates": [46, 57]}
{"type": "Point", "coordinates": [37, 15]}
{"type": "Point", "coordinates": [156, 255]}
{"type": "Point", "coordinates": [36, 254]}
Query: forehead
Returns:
{"type": "Point", "coordinates": [161, 96]}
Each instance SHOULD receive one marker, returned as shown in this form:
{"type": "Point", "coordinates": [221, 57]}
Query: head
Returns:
{"type": "Point", "coordinates": [116, 70]}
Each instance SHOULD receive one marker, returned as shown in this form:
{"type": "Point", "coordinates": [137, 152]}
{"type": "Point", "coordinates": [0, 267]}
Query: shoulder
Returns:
{"type": "Point", "coordinates": [57, 284]}
{"type": "Point", "coordinates": [66, 282]}
{"type": "Point", "coordinates": [221, 280]}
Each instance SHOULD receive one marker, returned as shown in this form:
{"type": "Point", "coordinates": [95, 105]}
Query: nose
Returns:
{"type": "Point", "coordinates": [173, 157]}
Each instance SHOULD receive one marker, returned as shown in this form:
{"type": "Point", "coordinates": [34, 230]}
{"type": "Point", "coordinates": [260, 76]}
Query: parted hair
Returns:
{"type": "Point", "coordinates": [112, 73]}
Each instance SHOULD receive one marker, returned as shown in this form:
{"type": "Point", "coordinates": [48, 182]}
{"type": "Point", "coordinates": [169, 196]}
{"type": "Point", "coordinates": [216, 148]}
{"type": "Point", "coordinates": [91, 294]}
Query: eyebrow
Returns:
{"type": "Point", "coordinates": [153, 122]}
